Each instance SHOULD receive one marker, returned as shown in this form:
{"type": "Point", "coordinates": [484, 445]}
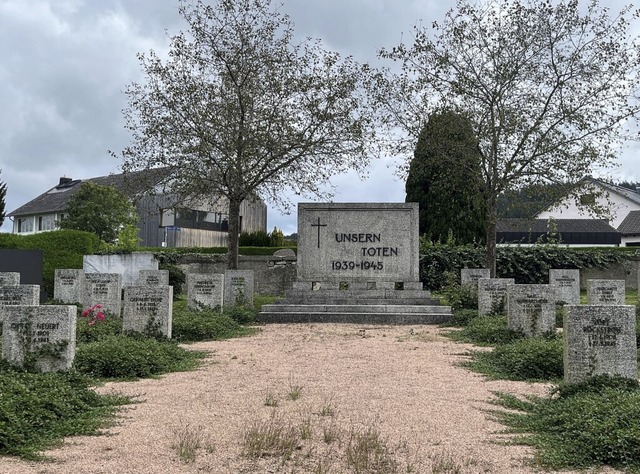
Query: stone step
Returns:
{"type": "Point", "coordinates": [353, 318]}
{"type": "Point", "coordinates": [365, 294]}
{"type": "Point", "coordinates": [355, 308]}
{"type": "Point", "coordinates": [360, 301]}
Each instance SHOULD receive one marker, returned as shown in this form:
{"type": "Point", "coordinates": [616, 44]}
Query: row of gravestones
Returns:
{"type": "Point", "coordinates": [48, 333]}
{"type": "Point", "coordinates": [599, 337]}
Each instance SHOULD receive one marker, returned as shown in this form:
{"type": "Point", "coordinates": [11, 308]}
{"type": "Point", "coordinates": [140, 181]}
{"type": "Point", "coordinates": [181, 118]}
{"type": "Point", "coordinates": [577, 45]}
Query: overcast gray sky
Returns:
{"type": "Point", "coordinates": [65, 64]}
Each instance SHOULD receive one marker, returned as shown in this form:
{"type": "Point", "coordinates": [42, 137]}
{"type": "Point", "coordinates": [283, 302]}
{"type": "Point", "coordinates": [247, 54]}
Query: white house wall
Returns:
{"type": "Point", "coordinates": [618, 206]}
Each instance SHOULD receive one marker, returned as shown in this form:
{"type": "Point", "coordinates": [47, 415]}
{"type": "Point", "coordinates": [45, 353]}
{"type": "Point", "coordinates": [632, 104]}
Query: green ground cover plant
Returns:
{"type": "Point", "coordinates": [38, 410]}
{"type": "Point", "coordinates": [589, 425]}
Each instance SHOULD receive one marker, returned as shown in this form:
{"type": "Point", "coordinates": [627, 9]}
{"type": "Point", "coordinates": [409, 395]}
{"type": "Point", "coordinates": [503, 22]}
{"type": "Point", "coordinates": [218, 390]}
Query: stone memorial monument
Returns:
{"type": "Point", "coordinates": [357, 262]}
{"type": "Point", "coordinates": [492, 294]}
{"type": "Point", "coordinates": [148, 308]}
{"type": "Point", "coordinates": [47, 333]}
{"type": "Point", "coordinates": [104, 289]}
{"type": "Point", "coordinates": [605, 292]}
{"type": "Point", "coordinates": [69, 285]}
{"type": "Point", "coordinates": [238, 287]}
{"type": "Point", "coordinates": [531, 309]}
{"type": "Point", "coordinates": [599, 340]}
{"type": "Point", "coordinates": [205, 290]}
{"type": "Point", "coordinates": [567, 285]}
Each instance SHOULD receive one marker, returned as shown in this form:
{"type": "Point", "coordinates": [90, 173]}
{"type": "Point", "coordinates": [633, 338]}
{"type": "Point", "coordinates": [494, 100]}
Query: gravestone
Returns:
{"type": "Point", "coordinates": [148, 308]}
{"type": "Point", "coordinates": [358, 245]}
{"type": "Point", "coordinates": [9, 278]}
{"type": "Point", "coordinates": [104, 289]}
{"type": "Point", "coordinates": [492, 294]}
{"type": "Point", "coordinates": [470, 276]}
{"type": "Point", "coordinates": [46, 333]}
{"type": "Point", "coordinates": [205, 290]}
{"type": "Point", "coordinates": [599, 340]}
{"type": "Point", "coordinates": [567, 285]}
{"type": "Point", "coordinates": [153, 278]}
{"type": "Point", "coordinates": [18, 295]}
{"type": "Point", "coordinates": [69, 285]}
{"type": "Point", "coordinates": [601, 292]}
{"type": "Point", "coordinates": [238, 287]}
{"type": "Point", "coordinates": [127, 265]}
{"type": "Point", "coordinates": [531, 309]}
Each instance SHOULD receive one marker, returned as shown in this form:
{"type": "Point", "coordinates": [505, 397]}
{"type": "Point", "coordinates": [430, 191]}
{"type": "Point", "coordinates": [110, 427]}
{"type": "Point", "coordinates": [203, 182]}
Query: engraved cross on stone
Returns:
{"type": "Point", "coordinates": [318, 225]}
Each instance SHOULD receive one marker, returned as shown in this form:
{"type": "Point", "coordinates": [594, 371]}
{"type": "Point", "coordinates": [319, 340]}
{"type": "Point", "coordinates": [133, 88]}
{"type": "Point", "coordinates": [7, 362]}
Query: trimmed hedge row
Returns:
{"type": "Point", "coordinates": [524, 264]}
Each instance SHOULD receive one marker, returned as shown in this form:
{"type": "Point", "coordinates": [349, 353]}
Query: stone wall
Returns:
{"type": "Point", "coordinates": [273, 275]}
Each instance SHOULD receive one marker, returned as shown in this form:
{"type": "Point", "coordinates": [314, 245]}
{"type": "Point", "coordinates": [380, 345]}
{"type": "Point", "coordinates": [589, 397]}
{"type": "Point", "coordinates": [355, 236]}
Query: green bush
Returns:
{"type": "Point", "coordinates": [38, 410]}
{"type": "Point", "coordinates": [259, 238]}
{"type": "Point", "coordinates": [131, 357]}
{"type": "Point", "coordinates": [111, 326]}
{"type": "Point", "coordinates": [205, 325]}
{"type": "Point", "coordinates": [177, 277]}
{"type": "Point", "coordinates": [486, 330]}
{"type": "Point", "coordinates": [592, 425]}
{"type": "Point", "coordinates": [459, 296]}
{"type": "Point", "coordinates": [534, 359]}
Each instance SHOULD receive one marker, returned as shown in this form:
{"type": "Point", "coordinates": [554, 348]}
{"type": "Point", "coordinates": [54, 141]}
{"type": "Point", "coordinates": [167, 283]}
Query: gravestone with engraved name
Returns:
{"type": "Point", "coordinates": [359, 245]}
{"type": "Point", "coordinates": [9, 278]}
{"type": "Point", "coordinates": [104, 289]}
{"type": "Point", "coordinates": [531, 309]}
{"type": "Point", "coordinates": [238, 287]}
{"type": "Point", "coordinates": [46, 333]}
{"type": "Point", "coordinates": [148, 309]}
{"type": "Point", "coordinates": [153, 278]}
{"type": "Point", "coordinates": [599, 340]}
{"type": "Point", "coordinates": [605, 292]}
{"type": "Point", "coordinates": [566, 284]}
{"type": "Point", "coordinates": [69, 285]}
{"type": "Point", "coordinates": [18, 295]}
{"type": "Point", "coordinates": [470, 276]}
{"type": "Point", "coordinates": [205, 290]}
{"type": "Point", "coordinates": [492, 294]}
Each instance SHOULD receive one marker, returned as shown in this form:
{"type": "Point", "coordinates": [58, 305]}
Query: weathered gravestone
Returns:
{"type": "Point", "coordinates": [601, 292]}
{"type": "Point", "coordinates": [153, 278]}
{"type": "Point", "coordinates": [567, 285]}
{"type": "Point", "coordinates": [470, 276]}
{"type": "Point", "coordinates": [492, 294]}
{"type": "Point", "coordinates": [9, 278]}
{"type": "Point", "coordinates": [358, 246]}
{"type": "Point", "coordinates": [44, 335]}
{"type": "Point", "coordinates": [18, 295]}
{"type": "Point", "coordinates": [148, 309]}
{"type": "Point", "coordinates": [205, 290]}
{"type": "Point", "coordinates": [69, 285]}
{"type": "Point", "coordinates": [104, 289]}
{"type": "Point", "coordinates": [531, 309]}
{"type": "Point", "coordinates": [599, 340]}
{"type": "Point", "coordinates": [127, 265]}
{"type": "Point", "coordinates": [238, 287]}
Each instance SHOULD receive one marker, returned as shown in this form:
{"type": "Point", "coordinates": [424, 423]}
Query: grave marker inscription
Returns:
{"type": "Point", "coordinates": [69, 285]}
{"type": "Point", "coordinates": [566, 284]}
{"type": "Point", "coordinates": [205, 290]}
{"type": "Point", "coordinates": [238, 287]}
{"type": "Point", "coordinates": [602, 292]}
{"type": "Point", "coordinates": [492, 294]}
{"type": "Point", "coordinates": [531, 309]}
{"type": "Point", "coordinates": [148, 308]}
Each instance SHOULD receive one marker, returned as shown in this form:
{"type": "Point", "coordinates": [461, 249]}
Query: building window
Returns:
{"type": "Point", "coordinates": [192, 219]}
{"type": "Point", "coordinates": [46, 222]}
{"type": "Point", "coordinates": [25, 225]}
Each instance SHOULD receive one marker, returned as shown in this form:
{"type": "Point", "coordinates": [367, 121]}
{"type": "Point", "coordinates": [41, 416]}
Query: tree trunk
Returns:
{"type": "Point", "coordinates": [492, 220]}
{"type": "Point", "coordinates": [234, 234]}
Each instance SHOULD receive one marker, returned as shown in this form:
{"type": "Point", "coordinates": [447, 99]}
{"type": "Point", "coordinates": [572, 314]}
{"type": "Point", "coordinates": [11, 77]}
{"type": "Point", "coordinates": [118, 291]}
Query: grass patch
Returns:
{"type": "Point", "coordinates": [273, 437]}
{"type": "Point", "coordinates": [367, 452]}
{"type": "Point", "coordinates": [188, 440]}
{"type": "Point", "coordinates": [533, 360]}
{"type": "Point", "coordinates": [39, 410]}
{"type": "Point", "coordinates": [591, 425]}
{"type": "Point", "coordinates": [485, 331]}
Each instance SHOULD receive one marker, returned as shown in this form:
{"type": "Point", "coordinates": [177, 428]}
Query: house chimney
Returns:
{"type": "Point", "coordinates": [64, 180]}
